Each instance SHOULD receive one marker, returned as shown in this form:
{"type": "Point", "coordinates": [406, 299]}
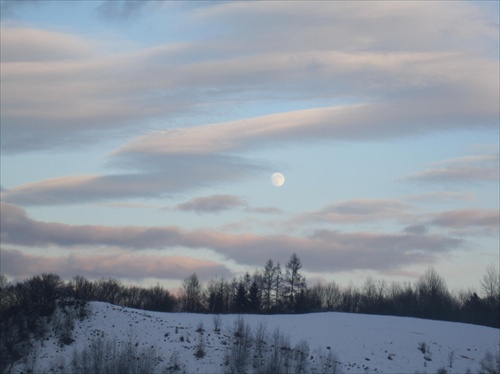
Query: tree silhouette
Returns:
{"type": "Point", "coordinates": [294, 282]}
{"type": "Point", "coordinates": [191, 294]}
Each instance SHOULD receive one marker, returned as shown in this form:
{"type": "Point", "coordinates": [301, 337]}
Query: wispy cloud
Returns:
{"type": "Point", "coordinates": [156, 176]}
{"type": "Point", "coordinates": [212, 204]}
{"type": "Point", "coordinates": [469, 220]}
{"type": "Point", "coordinates": [29, 45]}
{"type": "Point", "coordinates": [463, 170]}
{"type": "Point", "coordinates": [121, 9]}
{"type": "Point", "coordinates": [326, 250]}
{"type": "Point", "coordinates": [425, 79]}
{"type": "Point", "coordinates": [442, 196]}
{"type": "Point", "coordinates": [110, 264]}
{"type": "Point", "coordinates": [359, 210]}
{"type": "Point", "coordinates": [190, 107]}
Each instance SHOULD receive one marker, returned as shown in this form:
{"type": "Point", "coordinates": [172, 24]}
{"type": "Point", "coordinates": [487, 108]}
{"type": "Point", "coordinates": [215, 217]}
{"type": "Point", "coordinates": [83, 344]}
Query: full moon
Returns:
{"type": "Point", "coordinates": [278, 179]}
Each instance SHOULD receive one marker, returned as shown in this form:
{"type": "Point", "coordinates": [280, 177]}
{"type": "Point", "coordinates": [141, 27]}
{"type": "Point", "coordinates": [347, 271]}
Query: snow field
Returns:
{"type": "Point", "coordinates": [363, 343]}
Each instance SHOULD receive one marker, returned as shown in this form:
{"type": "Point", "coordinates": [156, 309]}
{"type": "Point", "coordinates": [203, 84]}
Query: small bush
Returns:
{"type": "Point", "coordinates": [422, 347]}
{"type": "Point", "coordinates": [200, 348]}
{"type": "Point", "coordinates": [174, 365]}
{"type": "Point", "coordinates": [217, 322]}
{"type": "Point", "coordinates": [490, 364]}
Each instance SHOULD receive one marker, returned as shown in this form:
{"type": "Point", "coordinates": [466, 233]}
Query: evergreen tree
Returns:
{"type": "Point", "coordinates": [216, 296]}
{"type": "Point", "coordinates": [254, 297]}
{"type": "Point", "coordinates": [241, 298]}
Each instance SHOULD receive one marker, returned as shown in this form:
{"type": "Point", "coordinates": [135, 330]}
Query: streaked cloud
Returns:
{"type": "Point", "coordinates": [345, 122]}
{"type": "Point", "coordinates": [467, 169]}
{"type": "Point", "coordinates": [29, 45]}
{"type": "Point", "coordinates": [212, 204]}
{"type": "Point", "coordinates": [188, 108]}
{"type": "Point", "coordinates": [359, 210]}
{"type": "Point", "coordinates": [405, 83]}
{"type": "Point", "coordinates": [121, 9]}
{"type": "Point", "coordinates": [110, 264]}
{"type": "Point", "coordinates": [325, 250]}
{"type": "Point", "coordinates": [443, 196]}
{"type": "Point", "coordinates": [156, 177]}
{"type": "Point", "coordinates": [467, 220]}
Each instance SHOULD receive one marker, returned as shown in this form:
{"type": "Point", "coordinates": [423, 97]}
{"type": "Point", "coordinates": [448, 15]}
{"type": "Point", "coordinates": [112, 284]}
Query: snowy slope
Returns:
{"type": "Point", "coordinates": [363, 343]}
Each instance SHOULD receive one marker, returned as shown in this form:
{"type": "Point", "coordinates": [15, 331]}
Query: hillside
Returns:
{"type": "Point", "coordinates": [359, 343]}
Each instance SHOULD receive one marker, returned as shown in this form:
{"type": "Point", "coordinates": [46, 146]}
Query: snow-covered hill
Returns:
{"type": "Point", "coordinates": [361, 343]}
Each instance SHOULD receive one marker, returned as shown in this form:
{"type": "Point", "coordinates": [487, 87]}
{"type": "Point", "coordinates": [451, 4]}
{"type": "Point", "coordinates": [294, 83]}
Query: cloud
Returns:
{"type": "Point", "coordinates": [359, 210]}
{"type": "Point", "coordinates": [18, 228]}
{"type": "Point", "coordinates": [416, 229]}
{"type": "Point", "coordinates": [467, 169]}
{"type": "Point", "coordinates": [487, 220]}
{"type": "Point", "coordinates": [28, 45]}
{"type": "Point", "coordinates": [265, 210]}
{"type": "Point", "coordinates": [10, 8]}
{"type": "Point", "coordinates": [110, 264]}
{"type": "Point", "coordinates": [156, 177]}
{"type": "Point", "coordinates": [434, 75]}
{"type": "Point", "coordinates": [324, 250]}
{"type": "Point", "coordinates": [212, 204]}
{"type": "Point", "coordinates": [356, 26]}
{"type": "Point", "coordinates": [121, 9]}
{"type": "Point", "coordinates": [370, 121]}
{"type": "Point", "coordinates": [442, 196]}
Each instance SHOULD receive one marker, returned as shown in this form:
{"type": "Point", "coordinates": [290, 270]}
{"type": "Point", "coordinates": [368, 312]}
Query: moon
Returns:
{"type": "Point", "coordinates": [278, 179]}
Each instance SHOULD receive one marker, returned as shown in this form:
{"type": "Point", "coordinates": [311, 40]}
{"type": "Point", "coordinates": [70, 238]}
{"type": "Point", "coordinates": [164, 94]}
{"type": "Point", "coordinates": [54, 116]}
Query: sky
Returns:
{"type": "Point", "coordinates": [138, 139]}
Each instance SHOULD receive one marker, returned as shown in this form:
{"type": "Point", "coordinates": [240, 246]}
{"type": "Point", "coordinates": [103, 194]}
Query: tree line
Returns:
{"type": "Point", "coordinates": [270, 290]}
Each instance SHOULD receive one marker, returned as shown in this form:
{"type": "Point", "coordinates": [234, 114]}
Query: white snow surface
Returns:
{"type": "Point", "coordinates": [363, 343]}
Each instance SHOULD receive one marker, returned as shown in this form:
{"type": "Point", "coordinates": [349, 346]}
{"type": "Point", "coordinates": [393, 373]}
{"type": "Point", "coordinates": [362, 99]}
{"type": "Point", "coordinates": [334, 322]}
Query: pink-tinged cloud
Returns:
{"type": "Point", "coordinates": [442, 196]}
{"type": "Point", "coordinates": [440, 73]}
{"type": "Point", "coordinates": [115, 264]}
{"type": "Point", "coordinates": [34, 45]}
{"type": "Point", "coordinates": [487, 219]}
{"type": "Point", "coordinates": [324, 250]}
{"type": "Point", "coordinates": [384, 119]}
{"type": "Point", "coordinates": [18, 228]}
{"type": "Point", "coordinates": [156, 177]}
{"type": "Point", "coordinates": [463, 170]}
{"type": "Point", "coordinates": [212, 204]}
{"type": "Point", "coordinates": [359, 210]}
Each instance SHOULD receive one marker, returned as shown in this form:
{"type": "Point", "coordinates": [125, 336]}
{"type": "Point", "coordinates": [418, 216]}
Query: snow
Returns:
{"type": "Point", "coordinates": [363, 343]}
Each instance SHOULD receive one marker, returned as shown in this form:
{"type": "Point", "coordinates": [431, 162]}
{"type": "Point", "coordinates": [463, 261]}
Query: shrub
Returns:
{"type": "Point", "coordinates": [217, 321]}
{"type": "Point", "coordinates": [422, 347]}
{"type": "Point", "coordinates": [328, 363]}
{"type": "Point", "coordinates": [174, 366]}
{"type": "Point", "coordinates": [490, 364]}
{"type": "Point", "coordinates": [200, 348]}
{"type": "Point", "coordinates": [239, 352]}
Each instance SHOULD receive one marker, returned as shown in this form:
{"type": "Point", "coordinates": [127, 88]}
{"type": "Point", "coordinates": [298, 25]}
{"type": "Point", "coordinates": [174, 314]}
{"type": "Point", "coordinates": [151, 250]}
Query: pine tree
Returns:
{"type": "Point", "coordinates": [241, 298]}
{"type": "Point", "coordinates": [254, 297]}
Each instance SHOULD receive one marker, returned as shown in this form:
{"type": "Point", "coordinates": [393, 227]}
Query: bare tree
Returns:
{"type": "Point", "coordinates": [294, 281]}
{"type": "Point", "coordinates": [191, 295]}
{"type": "Point", "coordinates": [332, 296]}
{"type": "Point", "coordinates": [267, 285]}
{"type": "Point", "coordinates": [433, 295]}
{"type": "Point", "coordinates": [490, 283]}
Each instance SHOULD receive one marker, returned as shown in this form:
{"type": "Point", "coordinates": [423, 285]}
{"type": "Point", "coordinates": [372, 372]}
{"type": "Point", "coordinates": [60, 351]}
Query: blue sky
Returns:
{"type": "Point", "coordinates": [139, 138]}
